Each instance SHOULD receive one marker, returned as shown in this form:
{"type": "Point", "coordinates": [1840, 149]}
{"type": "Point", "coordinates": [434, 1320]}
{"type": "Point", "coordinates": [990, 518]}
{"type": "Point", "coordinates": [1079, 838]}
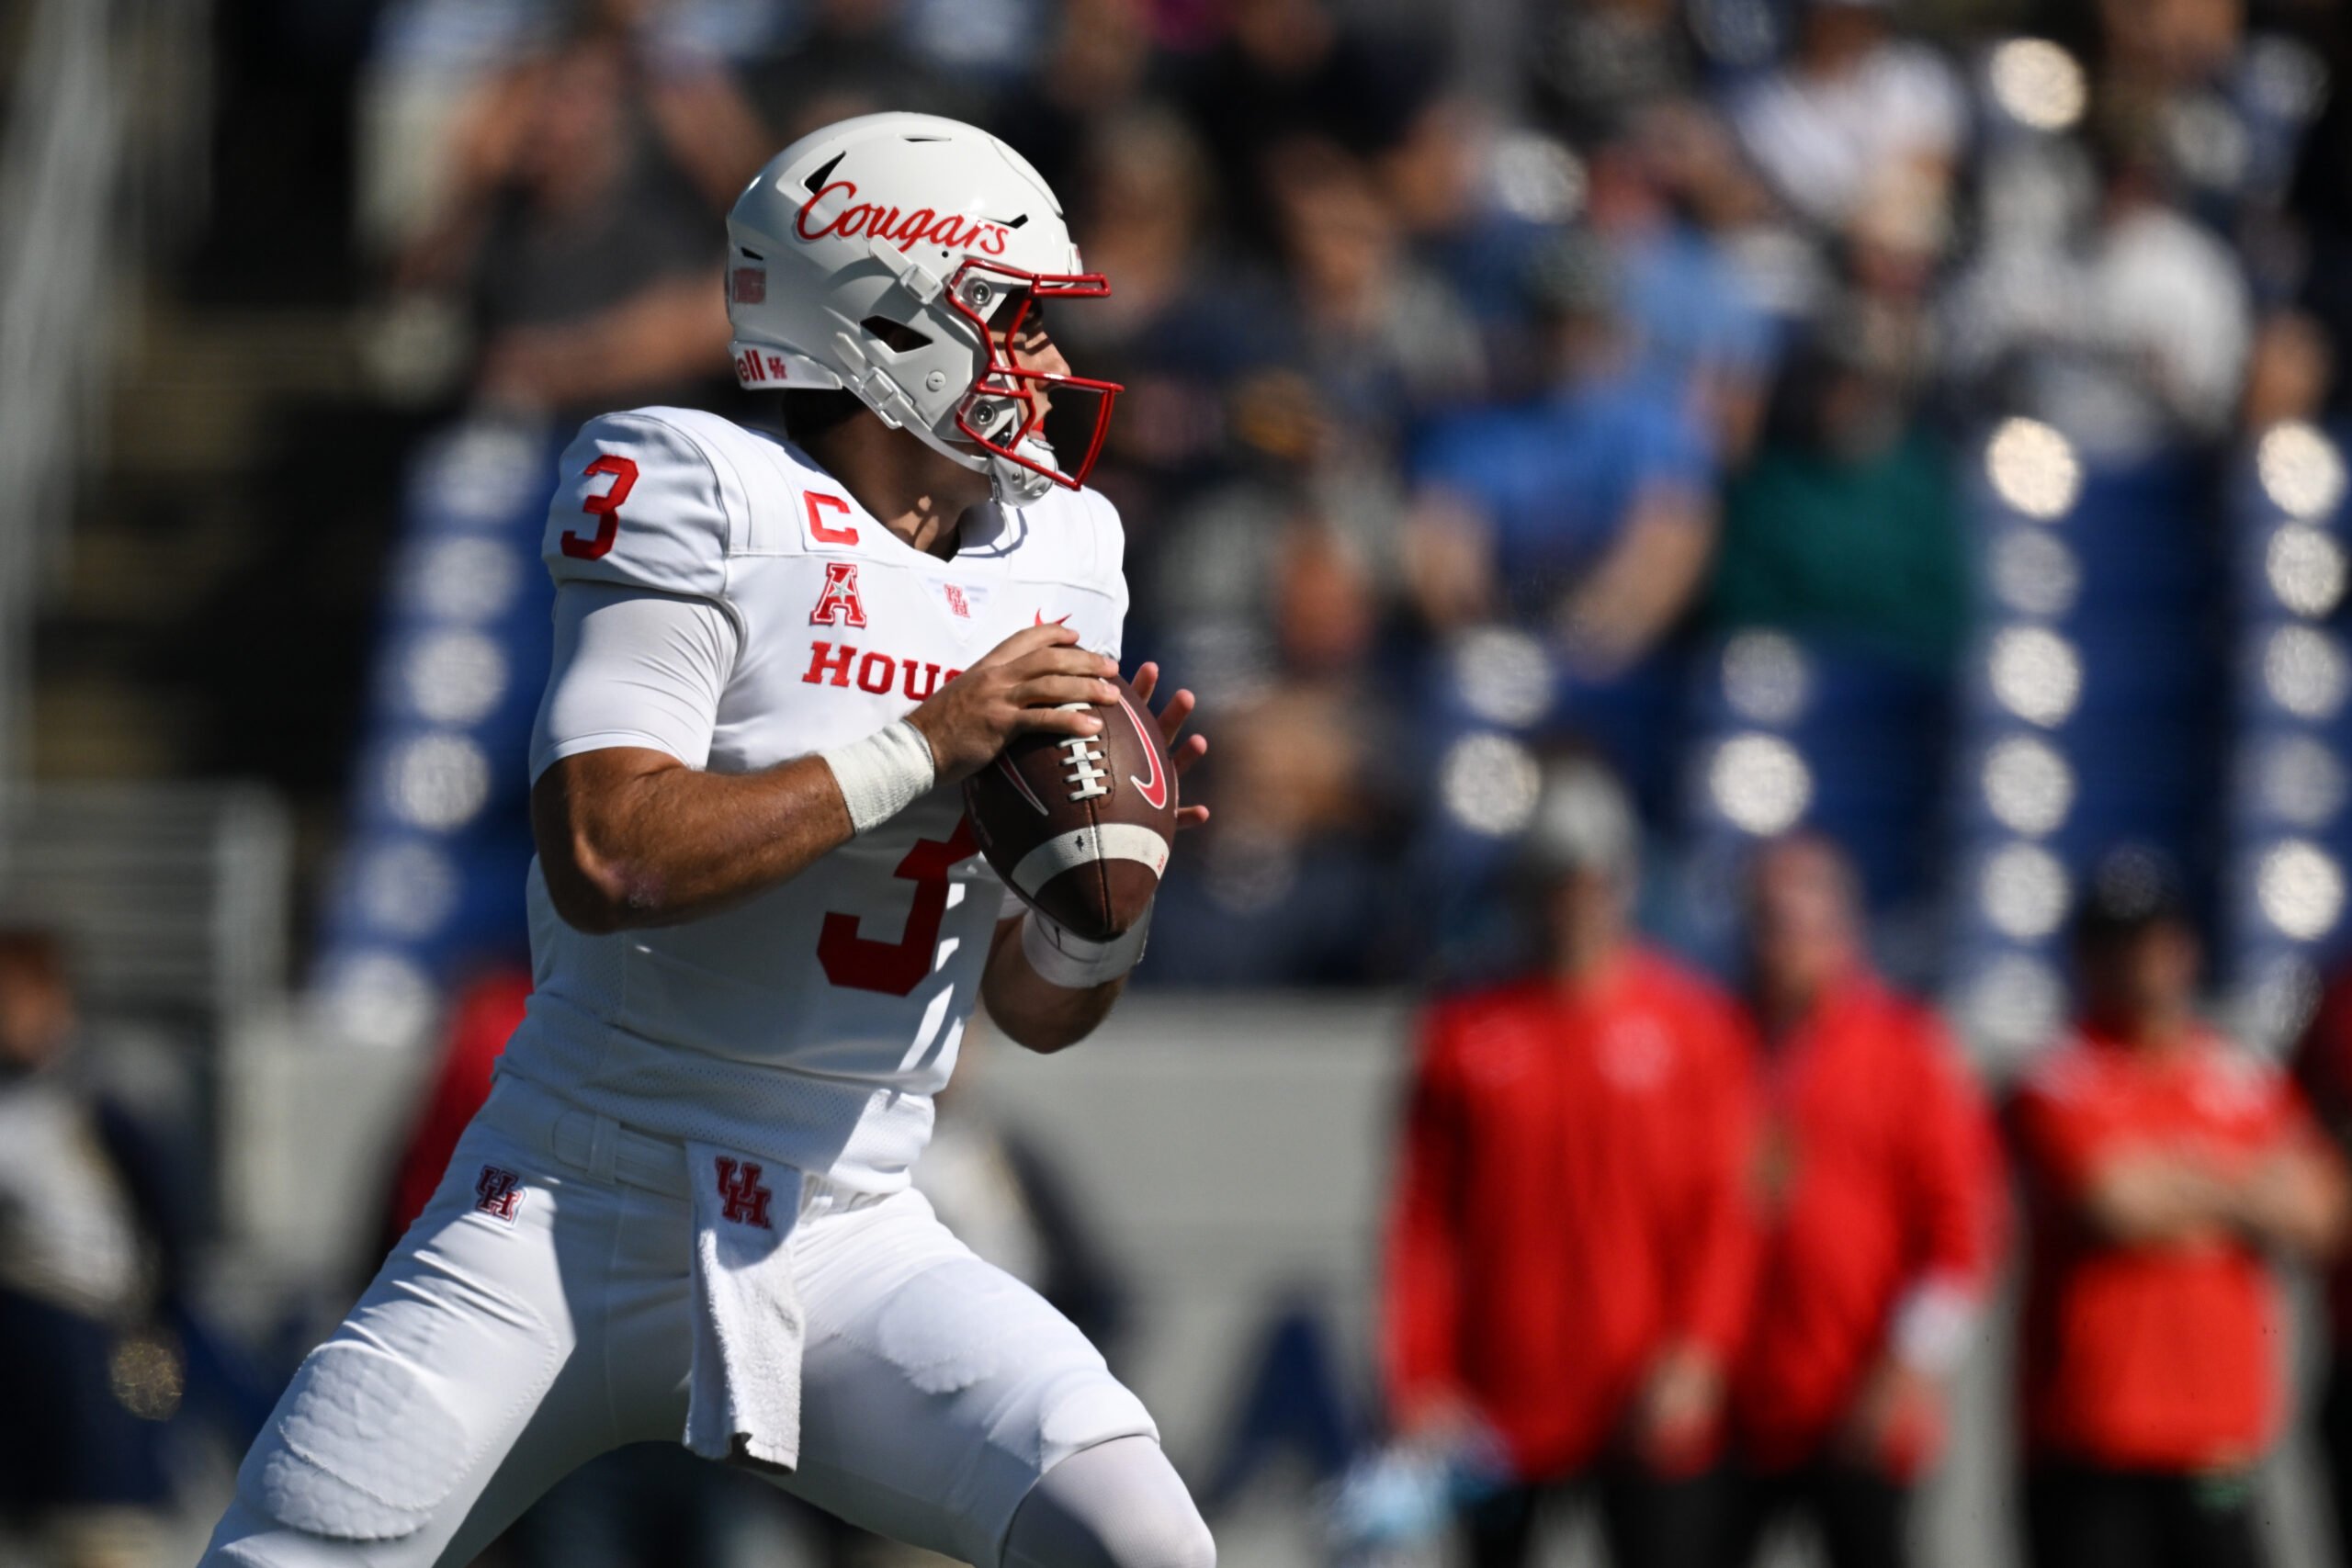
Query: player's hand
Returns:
{"type": "Point", "coordinates": [1017, 688]}
{"type": "Point", "coordinates": [1183, 750]}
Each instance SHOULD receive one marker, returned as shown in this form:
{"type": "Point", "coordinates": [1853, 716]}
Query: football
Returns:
{"type": "Point", "coordinates": [1079, 826]}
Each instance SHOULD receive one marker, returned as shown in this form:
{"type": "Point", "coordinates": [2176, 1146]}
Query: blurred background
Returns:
{"type": "Point", "coordinates": [1915, 422]}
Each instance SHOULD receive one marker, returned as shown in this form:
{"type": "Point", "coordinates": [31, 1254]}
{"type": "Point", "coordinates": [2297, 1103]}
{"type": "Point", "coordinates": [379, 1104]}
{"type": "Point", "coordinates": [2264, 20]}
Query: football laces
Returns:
{"type": "Point", "coordinates": [1082, 767]}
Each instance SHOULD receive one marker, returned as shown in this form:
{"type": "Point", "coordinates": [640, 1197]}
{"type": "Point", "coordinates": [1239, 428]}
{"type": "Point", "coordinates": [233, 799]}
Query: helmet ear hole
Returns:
{"type": "Point", "coordinates": [896, 337]}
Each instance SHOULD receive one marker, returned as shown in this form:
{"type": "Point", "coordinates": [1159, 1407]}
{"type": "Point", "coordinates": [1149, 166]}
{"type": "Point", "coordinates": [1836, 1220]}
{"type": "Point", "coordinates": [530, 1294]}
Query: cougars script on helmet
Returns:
{"type": "Point", "coordinates": [897, 256]}
{"type": "Point", "coordinates": [1080, 825]}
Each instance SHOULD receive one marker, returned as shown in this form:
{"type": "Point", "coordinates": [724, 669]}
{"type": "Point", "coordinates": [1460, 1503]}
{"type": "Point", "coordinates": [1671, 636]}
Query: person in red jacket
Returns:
{"type": "Point", "coordinates": [1571, 1248]}
{"type": "Point", "coordinates": [1885, 1204]}
{"type": "Point", "coordinates": [2166, 1166]}
{"type": "Point", "coordinates": [2322, 1067]}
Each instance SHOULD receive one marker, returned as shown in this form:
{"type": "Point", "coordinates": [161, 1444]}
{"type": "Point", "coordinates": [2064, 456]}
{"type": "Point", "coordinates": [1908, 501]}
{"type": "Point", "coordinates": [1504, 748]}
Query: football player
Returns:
{"type": "Point", "coordinates": [759, 927]}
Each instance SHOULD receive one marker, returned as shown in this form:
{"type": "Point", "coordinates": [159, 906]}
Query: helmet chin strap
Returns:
{"type": "Point", "coordinates": [1015, 485]}
{"type": "Point", "coordinates": [1009, 483]}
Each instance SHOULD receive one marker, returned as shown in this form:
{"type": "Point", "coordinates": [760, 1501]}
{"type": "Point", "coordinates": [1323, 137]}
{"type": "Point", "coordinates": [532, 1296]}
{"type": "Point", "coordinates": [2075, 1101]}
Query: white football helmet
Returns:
{"type": "Point", "coordinates": [897, 256]}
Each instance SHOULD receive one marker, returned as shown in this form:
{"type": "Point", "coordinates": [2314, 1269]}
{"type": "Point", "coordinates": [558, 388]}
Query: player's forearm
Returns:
{"type": "Point", "coordinates": [1031, 1010]}
{"type": "Point", "coordinates": [629, 839]}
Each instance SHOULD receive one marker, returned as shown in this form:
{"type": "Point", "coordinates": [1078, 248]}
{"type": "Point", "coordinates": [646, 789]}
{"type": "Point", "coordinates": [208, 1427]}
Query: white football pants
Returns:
{"type": "Point", "coordinates": [493, 1354]}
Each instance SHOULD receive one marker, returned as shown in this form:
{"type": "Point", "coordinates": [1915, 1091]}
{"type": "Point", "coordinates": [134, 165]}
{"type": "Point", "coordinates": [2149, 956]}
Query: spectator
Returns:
{"type": "Point", "coordinates": [589, 181]}
{"type": "Point", "coordinates": [1589, 513]}
{"type": "Point", "coordinates": [1846, 525]}
{"type": "Point", "coordinates": [1570, 1245]}
{"type": "Point", "coordinates": [1853, 115]}
{"type": "Point", "coordinates": [1596, 66]}
{"type": "Point", "coordinates": [2167, 1167]}
{"type": "Point", "coordinates": [1885, 1201]}
{"type": "Point", "coordinates": [1291, 68]}
{"type": "Point", "coordinates": [2323, 1067]}
{"type": "Point", "coordinates": [2133, 338]}
{"type": "Point", "coordinates": [1286, 886]}
{"type": "Point", "coordinates": [1381, 339]}
{"type": "Point", "coordinates": [91, 1254]}
{"type": "Point", "coordinates": [1696, 317]}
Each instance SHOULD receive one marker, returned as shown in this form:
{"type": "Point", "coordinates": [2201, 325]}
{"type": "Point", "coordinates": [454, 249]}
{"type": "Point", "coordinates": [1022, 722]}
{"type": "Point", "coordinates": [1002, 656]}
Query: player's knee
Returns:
{"type": "Point", "coordinates": [1120, 1505]}
{"type": "Point", "coordinates": [247, 1538]}
{"type": "Point", "coordinates": [1170, 1535]}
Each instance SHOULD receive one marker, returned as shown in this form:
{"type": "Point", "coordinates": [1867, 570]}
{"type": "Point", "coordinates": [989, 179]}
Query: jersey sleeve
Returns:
{"type": "Point", "coordinates": [640, 503]}
{"type": "Point", "coordinates": [633, 668]}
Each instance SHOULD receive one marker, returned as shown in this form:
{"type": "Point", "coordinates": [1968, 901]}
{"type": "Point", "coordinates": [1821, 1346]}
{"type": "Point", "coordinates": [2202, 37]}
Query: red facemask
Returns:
{"type": "Point", "coordinates": [1004, 382]}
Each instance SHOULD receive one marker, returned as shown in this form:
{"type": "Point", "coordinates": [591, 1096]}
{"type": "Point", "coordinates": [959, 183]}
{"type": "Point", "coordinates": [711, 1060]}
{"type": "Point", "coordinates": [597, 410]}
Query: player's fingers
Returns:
{"type": "Point", "coordinates": [1063, 662]}
{"type": "Point", "coordinates": [1193, 749]}
{"type": "Point", "coordinates": [1171, 717]}
{"type": "Point", "coordinates": [1191, 816]}
{"type": "Point", "coordinates": [1053, 721]}
{"type": "Point", "coordinates": [1052, 691]}
{"type": "Point", "coordinates": [1027, 640]}
{"type": "Point", "coordinates": [1146, 682]}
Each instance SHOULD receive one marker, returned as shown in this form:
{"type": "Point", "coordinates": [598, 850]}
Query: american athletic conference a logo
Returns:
{"type": "Point", "coordinates": [498, 1192]}
{"type": "Point", "coordinates": [745, 1201]}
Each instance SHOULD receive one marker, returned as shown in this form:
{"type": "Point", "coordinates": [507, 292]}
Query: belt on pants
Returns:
{"type": "Point", "coordinates": [606, 1149]}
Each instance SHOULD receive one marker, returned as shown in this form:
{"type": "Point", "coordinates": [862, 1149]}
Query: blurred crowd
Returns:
{"type": "Point", "coordinates": [1587, 372]}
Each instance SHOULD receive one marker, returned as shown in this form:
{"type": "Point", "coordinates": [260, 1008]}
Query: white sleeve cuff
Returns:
{"type": "Point", "coordinates": [1073, 962]}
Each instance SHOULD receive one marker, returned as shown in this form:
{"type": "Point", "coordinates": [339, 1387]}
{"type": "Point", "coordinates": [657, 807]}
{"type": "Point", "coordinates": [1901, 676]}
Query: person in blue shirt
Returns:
{"type": "Point", "coordinates": [1587, 515]}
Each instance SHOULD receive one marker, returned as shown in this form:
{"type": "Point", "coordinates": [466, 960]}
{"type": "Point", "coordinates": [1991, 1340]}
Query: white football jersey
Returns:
{"type": "Point", "coordinates": [813, 1023]}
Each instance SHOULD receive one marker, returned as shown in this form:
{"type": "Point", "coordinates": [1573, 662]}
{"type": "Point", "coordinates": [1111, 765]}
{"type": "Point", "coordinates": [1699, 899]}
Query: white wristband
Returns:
{"type": "Point", "coordinates": [882, 774]}
{"type": "Point", "coordinates": [1072, 962]}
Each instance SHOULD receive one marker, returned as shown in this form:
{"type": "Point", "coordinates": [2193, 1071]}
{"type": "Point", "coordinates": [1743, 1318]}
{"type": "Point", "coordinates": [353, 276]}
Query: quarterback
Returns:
{"type": "Point", "coordinates": [759, 927]}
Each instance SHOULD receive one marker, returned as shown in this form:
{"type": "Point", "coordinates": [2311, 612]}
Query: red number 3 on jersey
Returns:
{"type": "Point", "coordinates": [604, 508]}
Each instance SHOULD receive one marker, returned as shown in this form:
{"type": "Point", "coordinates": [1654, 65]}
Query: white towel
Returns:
{"type": "Point", "coordinates": [743, 1396]}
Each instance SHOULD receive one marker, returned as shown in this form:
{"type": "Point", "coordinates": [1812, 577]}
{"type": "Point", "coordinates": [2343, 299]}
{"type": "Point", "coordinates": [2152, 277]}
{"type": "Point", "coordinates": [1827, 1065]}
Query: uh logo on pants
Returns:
{"type": "Point", "coordinates": [743, 1201]}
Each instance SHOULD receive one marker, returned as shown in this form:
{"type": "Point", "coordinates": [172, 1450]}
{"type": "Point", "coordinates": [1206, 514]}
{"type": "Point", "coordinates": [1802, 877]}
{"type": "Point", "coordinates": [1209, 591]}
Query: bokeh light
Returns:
{"type": "Point", "coordinates": [2301, 889]}
{"type": "Point", "coordinates": [466, 580]}
{"type": "Point", "coordinates": [2035, 674]}
{"type": "Point", "coordinates": [488, 472]}
{"type": "Point", "coordinates": [379, 1000]}
{"type": "Point", "coordinates": [2023, 891]}
{"type": "Point", "coordinates": [2300, 469]}
{"type": "Point", "coordinates": [1766, 677]}
{"type": "Point", "coordinates": [407, 889]}
{"type": "Point", "coordinates": [2038, 83]}
{"type": "Point", "coordinates": [455, 677]}
{"type": "Point", "coordinates": [1488, 783]}
{"type": "Point", "coordinates": [2280, 999]}
{"type": "Point", "coordinates": [2300, 780]}
{"type": "Point", "coordinates": [1504, 675]}
{"type": "Point", "coordinates": [2028, 786]}
{"type": "Point", "coordinates": [2302, 669]}
{"type": "Point", "coordinates": [2014, 1002]}
{"type": "Point", "coordinates": [1760, 783]}
{"type": "Point", "coordinates": [2305, 567]}
{"type": "Point", "coordinates": [2033, 469]}
{"type": "Point", "coordinates": [437, 781]}
{"type": "Point", "coordinates": [2034, 573]}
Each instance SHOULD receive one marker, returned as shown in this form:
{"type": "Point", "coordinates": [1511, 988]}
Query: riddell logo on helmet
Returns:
{"type": "Point", "coordinates": [949, 230]}
{"type": "Point", "coordinates": [753, 369]}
